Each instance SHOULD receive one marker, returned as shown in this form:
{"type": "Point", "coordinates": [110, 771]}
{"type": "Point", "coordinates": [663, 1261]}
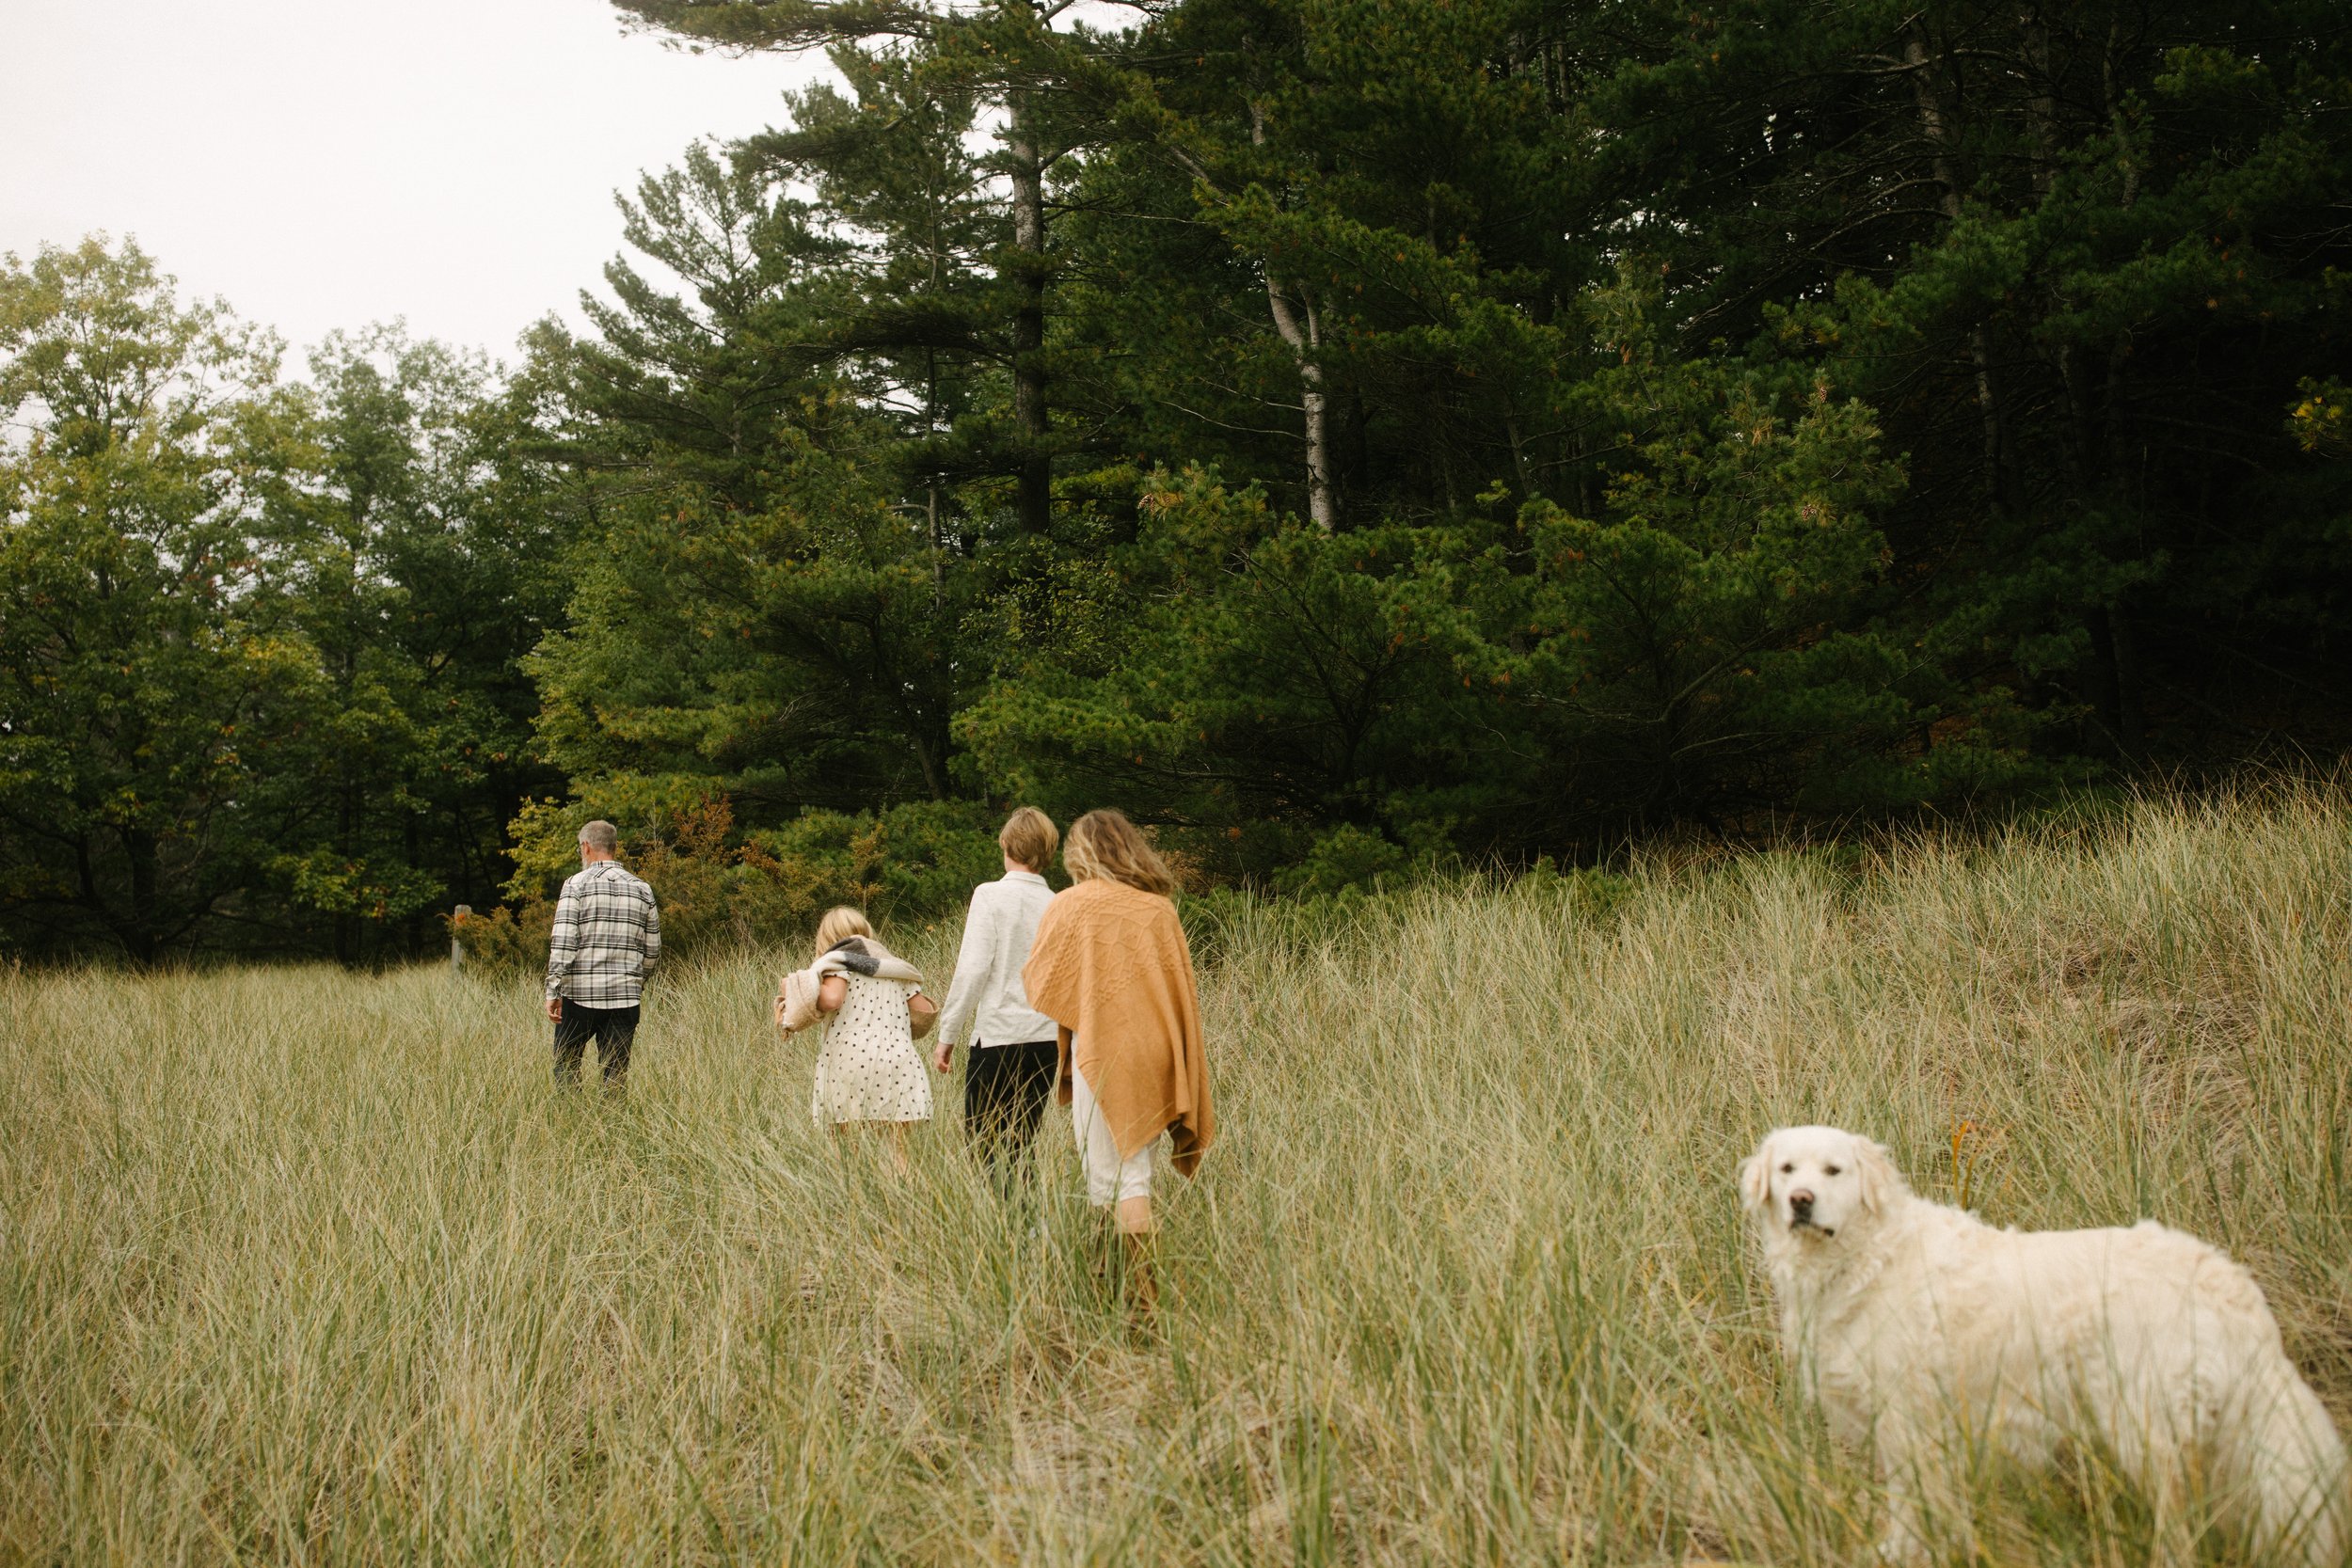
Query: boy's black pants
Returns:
{"type": "Point", "coordinates": [1005, 1089]}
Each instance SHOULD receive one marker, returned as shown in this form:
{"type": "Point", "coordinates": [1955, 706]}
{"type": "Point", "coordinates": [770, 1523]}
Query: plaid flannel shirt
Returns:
{"type": "Point", "coordinates": [607, 938]}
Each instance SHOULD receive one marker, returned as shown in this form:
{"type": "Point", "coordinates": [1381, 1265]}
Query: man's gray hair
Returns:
{"type": "Point", "coordinates": [601, 834]}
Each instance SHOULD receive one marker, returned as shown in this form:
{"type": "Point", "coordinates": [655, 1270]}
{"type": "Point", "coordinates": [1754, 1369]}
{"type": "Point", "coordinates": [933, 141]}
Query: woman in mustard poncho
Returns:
{"type": "Point", "coordinates": [1110, 967]}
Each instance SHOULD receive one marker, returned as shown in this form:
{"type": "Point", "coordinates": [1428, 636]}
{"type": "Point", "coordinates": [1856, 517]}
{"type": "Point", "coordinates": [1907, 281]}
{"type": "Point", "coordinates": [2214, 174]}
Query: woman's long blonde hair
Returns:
{"type": "Point", "coordinates": [842, 920]}
{"type": "Point", "coordinates": [1105, 844]}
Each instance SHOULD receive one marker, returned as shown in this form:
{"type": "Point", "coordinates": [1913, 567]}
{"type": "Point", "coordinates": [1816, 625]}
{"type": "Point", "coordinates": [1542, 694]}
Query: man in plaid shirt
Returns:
{"type": "Point", "coordinates": [607, 938]}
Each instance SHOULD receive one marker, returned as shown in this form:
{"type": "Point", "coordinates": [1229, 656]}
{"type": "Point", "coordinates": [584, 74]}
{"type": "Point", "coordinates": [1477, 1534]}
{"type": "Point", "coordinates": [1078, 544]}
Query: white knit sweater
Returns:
{"type": "Point", "coordinates": [985, 1004]}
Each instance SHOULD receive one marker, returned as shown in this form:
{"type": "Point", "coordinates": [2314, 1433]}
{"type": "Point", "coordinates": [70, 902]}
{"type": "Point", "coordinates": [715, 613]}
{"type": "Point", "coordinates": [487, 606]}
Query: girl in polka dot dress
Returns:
{"type": "Point", "coordinates": [868, 1071]}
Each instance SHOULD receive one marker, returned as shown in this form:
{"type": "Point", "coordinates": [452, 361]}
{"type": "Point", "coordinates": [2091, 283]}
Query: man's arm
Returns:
{"type": "Point", "coordinates": [562, 942]}
{"type": "Point", "coordinates": [653, 936]}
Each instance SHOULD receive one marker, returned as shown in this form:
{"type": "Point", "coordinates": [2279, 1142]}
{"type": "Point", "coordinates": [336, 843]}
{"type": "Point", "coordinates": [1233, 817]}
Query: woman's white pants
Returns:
{"type": "Point", "coordinates": [1110, 1179]}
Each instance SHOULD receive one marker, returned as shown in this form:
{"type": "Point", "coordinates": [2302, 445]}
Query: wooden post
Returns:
{"type": "Point", "coordinates": [457, 942]}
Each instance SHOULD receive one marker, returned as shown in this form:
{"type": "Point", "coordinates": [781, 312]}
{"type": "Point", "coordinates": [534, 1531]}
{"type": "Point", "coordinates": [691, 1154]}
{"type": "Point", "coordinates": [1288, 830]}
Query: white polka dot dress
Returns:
{"type": "Point", "coordinates": [868, 1069]}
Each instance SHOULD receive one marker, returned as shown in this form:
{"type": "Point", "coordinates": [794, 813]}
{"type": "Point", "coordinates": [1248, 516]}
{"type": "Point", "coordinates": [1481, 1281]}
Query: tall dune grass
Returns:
{"type": "Point", "coordinates": [306, 1267]}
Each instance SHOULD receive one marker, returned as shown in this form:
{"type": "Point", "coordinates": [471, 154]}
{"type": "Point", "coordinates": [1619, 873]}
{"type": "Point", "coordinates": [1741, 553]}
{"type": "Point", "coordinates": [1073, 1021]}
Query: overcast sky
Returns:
{"type": "Point", "coordinates": [323, 164]}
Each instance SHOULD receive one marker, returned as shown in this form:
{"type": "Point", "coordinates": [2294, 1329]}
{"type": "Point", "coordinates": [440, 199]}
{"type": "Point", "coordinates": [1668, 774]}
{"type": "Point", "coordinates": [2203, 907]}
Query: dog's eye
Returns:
{"type": "Point", "coordinates": [1786, 1167]}
{"type": "Point", "coordinates": [1829, 1170]}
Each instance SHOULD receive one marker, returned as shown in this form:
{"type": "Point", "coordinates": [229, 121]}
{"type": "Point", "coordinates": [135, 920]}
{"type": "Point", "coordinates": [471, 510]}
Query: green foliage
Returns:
{"type": "Point", "coordinates": [2318, 418]}
{"type": "Point", "coordinates": [419, 585]}
{"type": "Point", "coordinates": [752, 606]}
{"type": "Point", "coordinates": [1346, 857]}
{"type": "Point", "coordinates": [721, 889]}
{"type": "Point", "coordinates": [1352, 437]}
{"type": "Point", "coordinates": [1697, 419]}
{"type": "Point", "coordinates": [153, 685]}
{"type": "Point", "coordinates": [261, 643]}
{"type": "Point", "coordinates": [1704, 647]}
{"type": "Point", "coordinates": [919, 861]}
{"type": "Point", "coordinates": [2075, 259]}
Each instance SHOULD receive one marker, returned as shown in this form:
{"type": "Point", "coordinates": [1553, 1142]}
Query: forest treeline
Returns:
{"type": "Point", "coordinates": [1347, 433]}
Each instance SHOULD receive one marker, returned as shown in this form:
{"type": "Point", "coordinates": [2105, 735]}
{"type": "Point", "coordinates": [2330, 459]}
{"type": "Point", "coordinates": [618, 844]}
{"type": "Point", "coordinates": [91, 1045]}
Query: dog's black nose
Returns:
{"type": "Point", "coordinates": [1800, 1203]}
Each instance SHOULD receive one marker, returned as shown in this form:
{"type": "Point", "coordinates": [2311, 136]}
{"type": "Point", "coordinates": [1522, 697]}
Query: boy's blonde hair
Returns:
{"type": "Point", "coordinates": [842, 920]}
{"type": "Point", "coordinates": [1029, 838]}
{"type": "Point", "coordinates": [1105, 844]}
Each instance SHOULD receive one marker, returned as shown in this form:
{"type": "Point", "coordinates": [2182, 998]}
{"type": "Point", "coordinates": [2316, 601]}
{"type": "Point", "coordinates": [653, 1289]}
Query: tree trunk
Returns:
{"type": "Point", "coordinates": [139, 933]}
{"type": "Point", "coordinates": [2041, 126]}
{"type": "Point", "coordinates": [931, 486]}
{"type": "Point", "coordinates": [1938, 131]}
{"type": "Point", "coordinates": [1519, 464]}
{"type": "Point", "coordinates": [1035, 499]}
{"type": "Point", "coordinates": [2120, 349]}
{"type": "Point", "coordinates": [1302, 330]}
{"type": "Point", "coordinates": [344, 924]}
{"type": "Point", "coordinates": [2116, 694]}
{"type": "Point", "coordinates": [2131, 723]}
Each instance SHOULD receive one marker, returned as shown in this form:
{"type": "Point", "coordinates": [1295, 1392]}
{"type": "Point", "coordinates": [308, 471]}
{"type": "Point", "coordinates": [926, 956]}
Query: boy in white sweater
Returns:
{"type": "Point", "coordinates": [1014, 1048]}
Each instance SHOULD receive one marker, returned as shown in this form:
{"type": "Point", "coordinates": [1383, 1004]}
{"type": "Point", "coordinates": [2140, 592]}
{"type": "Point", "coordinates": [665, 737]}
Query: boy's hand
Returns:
{"type": "Point", "coordinates": [940, 1057]}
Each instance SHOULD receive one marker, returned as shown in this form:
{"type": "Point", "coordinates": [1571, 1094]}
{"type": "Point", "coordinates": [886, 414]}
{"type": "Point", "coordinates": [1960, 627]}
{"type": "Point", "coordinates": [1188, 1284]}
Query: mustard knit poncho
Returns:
{"type": "Point", "coordinates": [1111, 967]}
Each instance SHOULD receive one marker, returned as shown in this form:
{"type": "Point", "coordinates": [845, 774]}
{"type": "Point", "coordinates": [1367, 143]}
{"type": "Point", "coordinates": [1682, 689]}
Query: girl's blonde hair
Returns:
{"type": "Point", "coordinates": [1105, 844]}
{"type": "Point", "coordinates": [1028, 837]}
{"type": "Point", "coordinates": [841, 921]}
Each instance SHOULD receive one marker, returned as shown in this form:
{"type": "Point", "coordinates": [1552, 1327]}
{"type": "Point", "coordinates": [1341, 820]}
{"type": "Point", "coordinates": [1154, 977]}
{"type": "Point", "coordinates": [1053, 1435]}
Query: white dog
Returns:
{"type": "Point", "coordinates": [1920, 1329]}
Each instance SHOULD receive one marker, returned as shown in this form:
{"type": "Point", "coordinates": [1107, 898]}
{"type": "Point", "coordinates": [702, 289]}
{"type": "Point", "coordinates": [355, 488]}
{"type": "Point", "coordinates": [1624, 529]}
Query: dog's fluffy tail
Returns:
{"type": "Point", "coordinates": [2291, 1464]}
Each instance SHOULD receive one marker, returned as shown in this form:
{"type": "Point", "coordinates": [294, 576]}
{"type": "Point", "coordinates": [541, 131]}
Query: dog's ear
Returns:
{"type": "Point", "coordinates": [1881, 1182]}
{"type": "Point", "coordinates": [1756, 1176]}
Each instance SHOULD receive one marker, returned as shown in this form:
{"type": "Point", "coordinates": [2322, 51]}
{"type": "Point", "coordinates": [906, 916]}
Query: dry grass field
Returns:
{"type": "Point", "coordinates": [299, 1266]}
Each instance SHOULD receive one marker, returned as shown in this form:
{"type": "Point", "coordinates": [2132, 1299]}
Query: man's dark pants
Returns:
{"type": "Point", "coordinates": [613, 1029]}
{"type": "Point", "coordinates": [1005, 1089]}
